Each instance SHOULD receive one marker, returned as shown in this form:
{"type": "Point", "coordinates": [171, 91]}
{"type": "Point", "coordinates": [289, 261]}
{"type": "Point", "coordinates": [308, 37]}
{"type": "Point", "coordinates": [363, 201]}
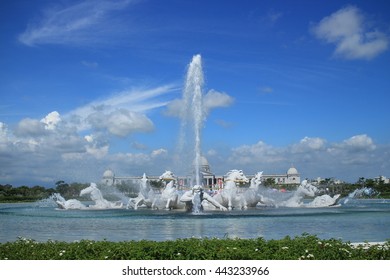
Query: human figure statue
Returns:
{"type": "Point", "coordinates": [193, 199]}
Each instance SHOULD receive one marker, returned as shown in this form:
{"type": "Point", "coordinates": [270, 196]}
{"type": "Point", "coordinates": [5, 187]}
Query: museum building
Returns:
{"type": "Point", "coordinates": [210, 180]}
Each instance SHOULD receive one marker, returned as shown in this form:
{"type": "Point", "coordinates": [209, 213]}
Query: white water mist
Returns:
{"type": "Point", "coordinates": [192, 113]}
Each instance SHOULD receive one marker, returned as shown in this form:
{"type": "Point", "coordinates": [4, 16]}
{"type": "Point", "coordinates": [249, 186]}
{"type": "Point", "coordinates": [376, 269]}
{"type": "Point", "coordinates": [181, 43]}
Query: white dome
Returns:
{"type": "Point", "coordinates": [108, 174]}
{"type": "Point", "coordinates": [292, 171]}
{"type": "Point", "coordinates": [203, 161]}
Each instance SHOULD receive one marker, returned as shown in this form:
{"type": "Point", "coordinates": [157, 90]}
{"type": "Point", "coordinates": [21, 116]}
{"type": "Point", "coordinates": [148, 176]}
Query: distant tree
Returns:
{"type": "Point", "coordinates": [157, 184]}
{"type": "Point", "coordinates": [361, 181]}
{"type": "Point", "coordinates": [61, 187]}
{"type": "Point", "coordinates": [370, 183]}
{"type": "Point", "coordinates": [269, 182]}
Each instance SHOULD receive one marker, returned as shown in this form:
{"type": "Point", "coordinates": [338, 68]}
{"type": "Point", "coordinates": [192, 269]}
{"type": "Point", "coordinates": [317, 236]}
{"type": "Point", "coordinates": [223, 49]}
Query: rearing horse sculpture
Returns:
{"type": "Point", "coordinates": [304, 189]}
{"type": "Point", "coordinates": [145, 196]}
{"type": "Point", "coordinates": [252, 195]}
{"type": "Point", "coordinates": [97, 197]}
{"type": "Point", "coordinates": [230, 197]}
{"type": "Point", "coordinates": [169, 195]}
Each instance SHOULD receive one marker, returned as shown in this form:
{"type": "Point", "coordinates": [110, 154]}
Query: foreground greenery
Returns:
{"type": "Point", "coordinates": [305, 247]}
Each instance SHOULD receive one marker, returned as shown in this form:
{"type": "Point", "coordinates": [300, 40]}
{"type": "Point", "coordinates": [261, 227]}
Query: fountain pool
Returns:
{"type": "Point", "coordinates": [358, 220]}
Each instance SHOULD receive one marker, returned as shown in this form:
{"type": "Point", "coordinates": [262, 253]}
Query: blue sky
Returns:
{"type": "Point", "coordinates": [91, 85]}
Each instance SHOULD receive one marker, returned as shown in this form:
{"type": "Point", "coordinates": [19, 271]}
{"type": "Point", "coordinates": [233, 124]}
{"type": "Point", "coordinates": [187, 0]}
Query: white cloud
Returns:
{"type": "Point", "coordinates": [214, 99]}
{"type": "Point", "coordinates": [63, 153]}
{"type": "Point", "coordinates": [211, 100]}
{"type": "Point", "coordinates": [349, 31]}
{"type": "Point", "coordinates": [358, 143]}
{"type": "Point", "coordinates": [255, 154]}
{"type": "Point", "coordinates": [347, 160]}
{"type": "Point", "coordinates": [121, 122]}
{"type": "Point", "coordinates": [121, 110]}
{"type": "Point", "coordinates": [82, 23]}
{"type": "Point", "coordinates": [96, 147]}
{"type": "Point", "coordinates": [139, 146]}
{"type": "Point", "coordinates": [159, 153]}
{"type": "Point", "coordinates": [3, 133]}
{"type": "Point", "coordinates": [30, 128]}
{"type": "Point", "coordinates": [308, 144]}
{"type": "Point", "coordinates": [51, 120]}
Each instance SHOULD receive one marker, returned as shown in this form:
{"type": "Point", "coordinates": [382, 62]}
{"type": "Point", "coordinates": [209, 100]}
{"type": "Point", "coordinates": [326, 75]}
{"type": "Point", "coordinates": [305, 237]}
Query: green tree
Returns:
{"type": "Point", "coordinates": [269, 182]}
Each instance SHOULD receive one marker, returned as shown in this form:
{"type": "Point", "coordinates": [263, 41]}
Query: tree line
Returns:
{"type": "Point", "coordinates": [8, 193]}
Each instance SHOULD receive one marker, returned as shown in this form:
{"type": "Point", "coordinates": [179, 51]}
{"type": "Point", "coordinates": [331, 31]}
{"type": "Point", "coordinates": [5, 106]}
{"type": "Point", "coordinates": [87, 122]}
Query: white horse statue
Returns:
{"type": "Point", "coordinates": [67, 204]}
{"type": "Point", "coordinates": [229, 196]}
{"type": "Point", "coordinates": [305, 189]}
{"type": "Point", "coordinates": [195, 198]}
{"type": "Point", "coordinates": [169, 195]}
{"type": "Point", "coordinates": [97, 197]}
{"type": "Point", "coordinates": [145, 195]}
{"type": "Point", "coordinates": [324, 200]}
{"type": "Point", "coordinates": [251, 197]}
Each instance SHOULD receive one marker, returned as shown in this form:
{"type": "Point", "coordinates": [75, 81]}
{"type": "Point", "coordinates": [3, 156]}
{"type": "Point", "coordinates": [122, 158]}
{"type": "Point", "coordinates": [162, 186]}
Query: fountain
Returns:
{"type": "Point", "coordinates": [67, 204]}
{"type": "Point", "coordinates": [95, 195]}
{"type": "Point", "coordinates": [192, 115]}
{"type": "Point", "coordinates": [232, 196]}
{"type": "Point", "coordinates": [363, 192]}
{"type": "Point", "coordinates": [255, 210]}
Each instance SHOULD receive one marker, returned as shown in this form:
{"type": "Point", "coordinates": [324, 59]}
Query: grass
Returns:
{"type": "Point", "coordinates": [305, 247]}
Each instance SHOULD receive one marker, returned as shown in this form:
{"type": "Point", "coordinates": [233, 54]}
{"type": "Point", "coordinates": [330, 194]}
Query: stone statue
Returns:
{"type": "Point", "coordinates": [97, 197]}
{"type": "Point", "coordinates": [229, 196]}
{"type": "Point", "coordinates": [195, 197]}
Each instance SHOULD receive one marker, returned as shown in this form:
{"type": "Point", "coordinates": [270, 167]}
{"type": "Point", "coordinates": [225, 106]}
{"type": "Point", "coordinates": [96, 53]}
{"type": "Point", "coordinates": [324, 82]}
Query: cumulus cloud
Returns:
{"type": "Point", "coordinates": [256, 153]}
{"type": "Point", "coordinates": [3, 133]}
{"type": "Point", "coordinates": [82, 23]}
{"type": "Point", "coordinates": [347, 159]}
{"type": "Point", "coordinates": [211, 100]}
{"type": "Point", "coordinates": [51, 120]}
{"type": "Point", "coordinates": [121, 122]}
{"type": "Point", "coordinates": [308, 144]}
{"type": "Point", "coordinates": [215, 99]}
{"type": "Point", "coordinates": [129, 106]}
{"type": "Point", "coordinates": [30, 128]}
{"type": "Point", "coordinates": [350, 32]}
{"type": "Point", "coordinates": [358, 143]}
{"type": "Point", "coordinates": [65, 153]}
{"type": "Point", "coordinates": [159, 153]}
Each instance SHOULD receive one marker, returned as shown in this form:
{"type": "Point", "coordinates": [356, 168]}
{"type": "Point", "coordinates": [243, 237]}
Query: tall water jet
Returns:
{"type": "Point", "coordinates": [192, 111]}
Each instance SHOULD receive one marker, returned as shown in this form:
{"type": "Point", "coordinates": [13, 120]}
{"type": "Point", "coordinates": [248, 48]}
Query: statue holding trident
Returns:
{"type": "Point", "coordinates": [193, 200]}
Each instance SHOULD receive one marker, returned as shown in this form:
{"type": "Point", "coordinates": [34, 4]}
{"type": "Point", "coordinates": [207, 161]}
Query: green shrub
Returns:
{"type": "Point", "coordinates": [305, 247]}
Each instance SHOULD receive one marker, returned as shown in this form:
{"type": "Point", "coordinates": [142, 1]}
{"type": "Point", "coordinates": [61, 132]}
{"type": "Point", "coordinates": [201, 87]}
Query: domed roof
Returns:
{"type": "Point", "coordinates": [203, 161]}
{"type": "Point", "coordinates": [292, 171]}
{"type": "Point", "coordinates": [108, 174]}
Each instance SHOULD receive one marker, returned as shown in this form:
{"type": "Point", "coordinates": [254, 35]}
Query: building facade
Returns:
{"type": "Point", "coordinates": [209, 179]}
